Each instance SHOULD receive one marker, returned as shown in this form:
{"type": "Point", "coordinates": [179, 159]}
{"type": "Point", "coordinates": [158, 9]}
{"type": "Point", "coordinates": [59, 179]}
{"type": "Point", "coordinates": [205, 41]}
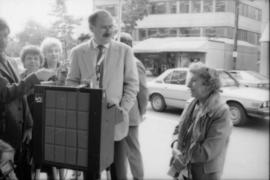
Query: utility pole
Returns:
{"type": "Point", "coordinates": [236, 18]}
{"type": "Point", "coordinates": [120, 19]}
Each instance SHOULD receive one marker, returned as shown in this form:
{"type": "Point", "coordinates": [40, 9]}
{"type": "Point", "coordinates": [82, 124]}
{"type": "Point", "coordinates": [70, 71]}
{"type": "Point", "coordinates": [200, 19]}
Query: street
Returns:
{"type": "Point", "coordinates": [247, 156]}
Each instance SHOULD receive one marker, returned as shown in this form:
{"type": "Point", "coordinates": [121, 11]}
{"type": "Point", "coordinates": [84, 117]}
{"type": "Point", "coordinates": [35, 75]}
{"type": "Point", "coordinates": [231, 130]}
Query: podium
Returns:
{"type": "Point", "coordinates": [73, 128]}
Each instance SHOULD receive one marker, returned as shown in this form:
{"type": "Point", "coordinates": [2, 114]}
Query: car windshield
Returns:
{"type": "Point", "coordinates": [226, 79]}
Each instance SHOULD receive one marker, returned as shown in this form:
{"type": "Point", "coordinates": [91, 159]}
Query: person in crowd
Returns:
{"type": "Point", "coordinates": [31, 58]}
{"type": "Point", "coordinates": [6, 161]}
{"type": "Point", "coordinates": [135, 117]}
{"type": "Point", "coordinates": [15, 118]}
{"type": "Point", "coordinates": [104, 63]}
{"type": "Point", "coordinates": [52, 50]}
{"type": "Point", "coordinates": [202, 136]}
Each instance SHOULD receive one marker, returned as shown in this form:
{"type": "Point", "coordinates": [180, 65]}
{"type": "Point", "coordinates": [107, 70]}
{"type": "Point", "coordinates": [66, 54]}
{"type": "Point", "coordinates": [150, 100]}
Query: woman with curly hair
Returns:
{"type": "Point", "coordinates": [202, 136]}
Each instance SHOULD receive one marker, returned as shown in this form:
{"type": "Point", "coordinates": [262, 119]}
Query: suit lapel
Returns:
{"type": "Point", "coordinates": [88, 59]}
{"type": "Point", "coordinates": [110, 62]}
{"type": "Point", "coordinates": [14, 71]}
{"type": "Point", "coordinates": [6, 74]}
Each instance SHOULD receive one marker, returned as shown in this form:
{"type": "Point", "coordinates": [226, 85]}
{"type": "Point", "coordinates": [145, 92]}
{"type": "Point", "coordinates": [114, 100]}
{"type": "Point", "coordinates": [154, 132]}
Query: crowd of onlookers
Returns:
{"type": "Point", "coordinates": [201, 138]}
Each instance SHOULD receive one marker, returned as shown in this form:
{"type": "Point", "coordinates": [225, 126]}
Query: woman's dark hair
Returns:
{"type": "Point", "coordinates": [31, 49]}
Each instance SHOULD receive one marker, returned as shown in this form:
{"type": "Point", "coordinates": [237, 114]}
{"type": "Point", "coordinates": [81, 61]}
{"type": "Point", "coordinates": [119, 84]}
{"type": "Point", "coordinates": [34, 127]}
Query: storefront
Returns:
{"type": "Point", "coordinates": [159, 54]}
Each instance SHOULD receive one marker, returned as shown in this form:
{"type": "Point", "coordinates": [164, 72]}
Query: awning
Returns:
{"type": "Point", "coordinates": [154, 45]}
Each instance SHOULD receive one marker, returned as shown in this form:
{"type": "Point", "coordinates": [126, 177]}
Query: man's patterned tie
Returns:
{"type": "Point", "coordinates": [99, 66]}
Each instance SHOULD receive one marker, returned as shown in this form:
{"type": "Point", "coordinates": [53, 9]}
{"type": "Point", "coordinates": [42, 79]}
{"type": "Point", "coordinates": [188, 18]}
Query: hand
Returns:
{"type": "Point", "coordinates": [44, 74]}
{"type": "Point", "coordinates": [122, 114]}
{"type": "Point", "coordinates": [27, 136]}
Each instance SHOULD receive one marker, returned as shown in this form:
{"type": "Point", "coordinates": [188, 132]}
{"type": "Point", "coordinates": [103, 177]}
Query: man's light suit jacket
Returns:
{"type": "Point", "coordinates": [139, 108]}
{"type": "Point", "coordinates": [120, 78]}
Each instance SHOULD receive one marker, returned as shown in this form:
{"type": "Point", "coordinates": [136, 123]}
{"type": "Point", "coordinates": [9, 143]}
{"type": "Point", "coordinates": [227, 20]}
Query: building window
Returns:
{"type": "Point", "coordinates": [220, 31]}
{"type": "Point", "coordinates": [207, 5]}
{"type": "Point", "coordinates": [158, 8]}
{"type": "Point", "coordinates": [184, 6]}
{"type": "Point", "coordinates": [230, 6]}
{"type": "Point", "coordinates": [226, 32]}
{"type": "Point", "coordinates": [242, 35]}
{"type": "Point", "coordinates": [152, 33]}
{"type": "Point", "coordinates": [190, 32]}
{"type": "Point", "coordinates": [251, 37]}
{"type": "Point", "coordinates": [172, 6]}
{"type": "Point", "coordinates": [163, 32]}
{"type": "Point", "coordinates": [195, 6]}
{"type": "Point", "coordinates": [142, 34]}
{"type": "Point", "coordinates": [173, 32]}
{"type": "Point", "coordinates": [209, 32]}
{"type": "Point", "coordinates": [230, 32]}
{"type": "Point", "coordinates": [243, 9]}
{"type": "Point", "coordinates": [258, 14]}
{"type": "Point", "coordinates": [220, 6]}
{"type": "Point", "coordinates": [251, 12]}
{"type": "Point", "coordinates": [257, 38]}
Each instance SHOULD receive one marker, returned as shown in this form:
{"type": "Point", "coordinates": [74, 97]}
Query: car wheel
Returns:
{"type": "Point", "coordinates": [239, 117]}
{"type": "Point", "coordinates": [158, 103]}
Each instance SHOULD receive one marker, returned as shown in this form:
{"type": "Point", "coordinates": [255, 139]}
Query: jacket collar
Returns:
{"type": "Point", "coordinates": [211, 105]}
{"type": "Point", "coordinates": [4, 61]}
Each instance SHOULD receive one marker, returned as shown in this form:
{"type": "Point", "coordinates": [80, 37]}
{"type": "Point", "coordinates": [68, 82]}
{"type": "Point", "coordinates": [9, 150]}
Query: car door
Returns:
{"type": "Point", "coordinates": [176, 92]}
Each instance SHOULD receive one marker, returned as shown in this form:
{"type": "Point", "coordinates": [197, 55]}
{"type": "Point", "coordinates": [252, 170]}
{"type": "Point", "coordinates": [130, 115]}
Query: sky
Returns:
{"type": "Point", "coordinates": [18, 12]}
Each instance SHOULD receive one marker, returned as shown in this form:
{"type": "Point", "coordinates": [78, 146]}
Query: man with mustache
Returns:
{"type": "Point", "coordinates": [107, 64]}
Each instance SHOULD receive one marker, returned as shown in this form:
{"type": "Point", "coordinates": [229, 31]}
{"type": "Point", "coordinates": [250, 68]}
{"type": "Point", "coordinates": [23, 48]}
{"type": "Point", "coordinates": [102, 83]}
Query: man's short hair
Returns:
{"type": "Point", "coordinates": [126, 38]}
{"type": "Point", "coordinates": [33, 50]}
{"type": "Point", "coordinates": [4, 25]}
{"type": "Point", "coordinates": [92, 19]}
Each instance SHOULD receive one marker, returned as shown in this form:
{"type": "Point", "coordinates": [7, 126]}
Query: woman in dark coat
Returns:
{"type": "Point", "coordinates": [202, 136]}
{"type": "Point", "coordinates": [15, 118]}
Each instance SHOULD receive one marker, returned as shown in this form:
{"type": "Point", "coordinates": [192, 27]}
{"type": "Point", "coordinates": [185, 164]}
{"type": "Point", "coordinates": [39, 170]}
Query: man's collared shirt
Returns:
{"type": "Point", "coordinates": [95, 46]}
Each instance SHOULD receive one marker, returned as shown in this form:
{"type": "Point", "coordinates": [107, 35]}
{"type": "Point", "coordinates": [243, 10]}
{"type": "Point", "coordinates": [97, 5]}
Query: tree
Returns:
{"type": "Point", "coordinates": [64, 25]}
{"type": "Point", "coordinates": [133, 10]}
{"type": "Point", "coordinates": [33, 33]}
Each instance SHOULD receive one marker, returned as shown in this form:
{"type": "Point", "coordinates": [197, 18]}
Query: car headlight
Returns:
{"type": "Point", "coordinates": [265, 104]}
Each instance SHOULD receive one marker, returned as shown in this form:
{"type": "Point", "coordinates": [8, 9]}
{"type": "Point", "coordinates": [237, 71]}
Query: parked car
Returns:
{"type": "Point", "coordinates": [250, 78]}
{"type": "Point", "coordinates": [170, 89]}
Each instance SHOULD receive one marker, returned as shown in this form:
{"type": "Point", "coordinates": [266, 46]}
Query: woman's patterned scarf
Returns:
{"type": "Point", "coordinates": [186, 130]}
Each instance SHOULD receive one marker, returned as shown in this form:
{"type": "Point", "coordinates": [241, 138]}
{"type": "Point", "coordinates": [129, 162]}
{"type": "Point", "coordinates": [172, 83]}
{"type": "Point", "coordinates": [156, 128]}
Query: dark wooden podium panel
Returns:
{"type": "Point", "coordinates": [74, 128]}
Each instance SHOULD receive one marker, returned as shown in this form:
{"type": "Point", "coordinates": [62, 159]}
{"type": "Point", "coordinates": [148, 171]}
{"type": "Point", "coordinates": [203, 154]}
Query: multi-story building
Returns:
{"type": "Point", "coordinates": [213, 19]}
